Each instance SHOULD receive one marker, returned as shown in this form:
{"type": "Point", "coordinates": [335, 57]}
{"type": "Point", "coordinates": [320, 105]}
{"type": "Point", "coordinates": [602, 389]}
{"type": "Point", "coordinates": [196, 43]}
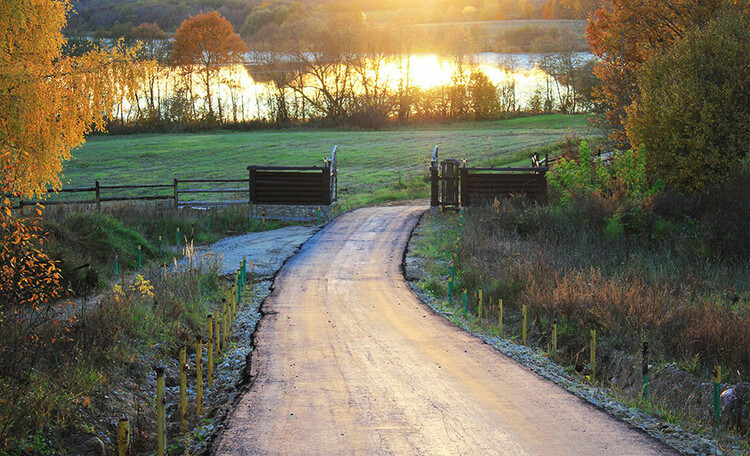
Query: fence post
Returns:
{"type": "Point", "coordinates": [117, 268]}
{"type": "Point", "coordinates": [326, 185]}
{"type": "Point", "coordinates": [216, 334]}
{"type": "Point", "coordinates": [464, 299]}
{"type": "Point", "coordinates": [225, 322]}
{"type": "Point", "coordinates": [177, 235]}
{"type": "Point", "coordinates": [159, 245]}
{"type": "Point", "coordinates": [523, 329]}
{"type": "Point", "coordinates": [123, 437]}
{"type": "Point", "coordinates": [161, 421]}
{"type": "Point", "coordinates": [717, 398]}
{"type": "Point", "coordinates": [140, 258]}
{"type": "Point", "coordinates": [199, 375]}
{"type": "Point", "coordinates": [464, 173]}
{"type": "Point", "coordinates": [554, 338]}
{"type": "Point", "coordinates": [238, 294]}
{"type": "Point", "coordinates": [176, 196]}
{"type": "Point", "coordinates": [500, 317]}
{"type": "Point", "coordinates": [451, 280]}
{"type": "Point", "coordinates": [645, 370]}
{"type": "Point", "coordinates": [434, 185]}
{"type": "Point", "coordinates": [210, 349]}
{"type": "Point", "coordinates": [251, 188]}
{"type": "Point", "coordinates": [593, 355]}
{"type": "Point", "coordinates": [183, 392]}
{"type": "Point", "coordinates": [97, 196]}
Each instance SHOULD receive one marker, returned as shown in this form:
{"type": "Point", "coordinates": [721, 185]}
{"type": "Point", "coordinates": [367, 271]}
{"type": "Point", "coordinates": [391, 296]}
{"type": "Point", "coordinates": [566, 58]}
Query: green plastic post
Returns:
{"type": "Point", "coordinates": [178, 236]}
{"type": "Point", "coordinates": [239, 287]}
{"type": "Point", "coordinates": [140, 257]}
{"type": "Point", "coordinates": [117, 269]}
{"type": "Point", "coordinates": [645, 370]}
{"type": "Point", "coordinates": [159, 245]}
{"type": "Point", "coordinates": [450, 290]}
{"type": "Point", "coordinates": [318, 215]}
{"type": "Point", "coordinates": [717, 397]}
{"type": "Point", "coordinates": [464, 302]}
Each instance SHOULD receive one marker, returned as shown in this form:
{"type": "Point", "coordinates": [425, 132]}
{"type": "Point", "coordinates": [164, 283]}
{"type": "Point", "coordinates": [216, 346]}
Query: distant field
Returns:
{"type": "Point", "coordinates": [373, 165]}
{"type": "Point", "coordinates": [493, 27]}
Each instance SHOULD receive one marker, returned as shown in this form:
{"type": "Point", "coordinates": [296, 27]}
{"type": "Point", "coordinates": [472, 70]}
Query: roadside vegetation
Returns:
{"type": "Point", "coordinates": [88, 350]}
{"type": "Point", "coordinates": [653, 267]}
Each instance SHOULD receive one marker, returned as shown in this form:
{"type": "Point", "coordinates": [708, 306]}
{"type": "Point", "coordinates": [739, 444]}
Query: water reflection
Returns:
{"type": "Point", "coordinates": [258, 91]}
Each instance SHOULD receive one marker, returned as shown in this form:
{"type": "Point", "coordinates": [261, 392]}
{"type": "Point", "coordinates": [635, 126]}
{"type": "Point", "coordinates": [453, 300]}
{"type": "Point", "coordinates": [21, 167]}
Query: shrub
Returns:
{"type": "Point", "coordinates": [693, 111]}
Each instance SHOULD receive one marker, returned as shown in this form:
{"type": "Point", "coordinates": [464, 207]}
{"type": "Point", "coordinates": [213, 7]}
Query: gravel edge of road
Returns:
{"type": "Point", "coordinates": [670, 434]}
{"type": "Point", "coordinates": [238, 361]}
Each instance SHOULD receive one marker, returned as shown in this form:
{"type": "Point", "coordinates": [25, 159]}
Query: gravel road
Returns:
{"type": "Point", "coordinates": [265, 251]}
{"type": "Point", "coordinates": [349, 361]}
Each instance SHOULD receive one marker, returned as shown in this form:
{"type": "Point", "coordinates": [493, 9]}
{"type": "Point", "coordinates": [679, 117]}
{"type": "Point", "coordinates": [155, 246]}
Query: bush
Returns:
{"type": "Point", "coordinates": [693, 111]}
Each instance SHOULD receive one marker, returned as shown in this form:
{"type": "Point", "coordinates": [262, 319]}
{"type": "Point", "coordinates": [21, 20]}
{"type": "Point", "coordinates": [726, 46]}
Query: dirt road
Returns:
{"type": "Point", "coordinates": [350, 362]}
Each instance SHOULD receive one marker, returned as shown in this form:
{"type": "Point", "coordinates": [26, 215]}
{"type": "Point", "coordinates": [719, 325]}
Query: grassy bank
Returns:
{"type": "Point", "coordinates": [373, 165]}
{"type": "Point", "coordinates": [87, 243]}
{"type": "Point", "coordinates": [693, 312]}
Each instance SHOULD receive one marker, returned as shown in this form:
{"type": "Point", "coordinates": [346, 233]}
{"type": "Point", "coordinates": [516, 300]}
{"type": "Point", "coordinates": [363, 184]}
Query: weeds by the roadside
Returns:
{"type": "Point", "coordinates": [86, 242]}
{"type": "Point", "coordinates": [694, 314]}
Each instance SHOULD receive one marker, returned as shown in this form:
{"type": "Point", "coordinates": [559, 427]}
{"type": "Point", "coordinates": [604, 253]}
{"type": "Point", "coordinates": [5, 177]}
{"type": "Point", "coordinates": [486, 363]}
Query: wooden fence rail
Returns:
{"type": "Point", "coordinates": [297, 185]}
{"type": "Point", "coordinates": [175, 196]}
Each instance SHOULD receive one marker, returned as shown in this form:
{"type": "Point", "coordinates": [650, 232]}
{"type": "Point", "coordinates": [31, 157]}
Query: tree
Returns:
{"type": "Point", "coordinates": [692, 113]}
{"type": "Point", "coordinates": [49, 101]}
{"type": "Point", "coordinates": [624, 34]}
{"type": "Point", "coordinates": [209, 42]}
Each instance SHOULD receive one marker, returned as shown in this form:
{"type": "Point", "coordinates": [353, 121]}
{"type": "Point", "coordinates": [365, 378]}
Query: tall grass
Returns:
{"type": "Point", "coordinates": [694, 311]}
{"type": "Point", "coordinates": [86, 241]}
{"type": "Point", "coordinates": [110, 342]}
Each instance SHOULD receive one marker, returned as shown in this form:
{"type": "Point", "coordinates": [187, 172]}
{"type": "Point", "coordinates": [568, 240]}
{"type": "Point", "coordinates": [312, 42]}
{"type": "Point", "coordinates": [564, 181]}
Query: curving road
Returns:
{"type": "Point", "coordinates": [350, 362]}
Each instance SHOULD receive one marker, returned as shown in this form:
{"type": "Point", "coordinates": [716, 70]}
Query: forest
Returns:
{"type": "Point", "coordinates": [116, 18]}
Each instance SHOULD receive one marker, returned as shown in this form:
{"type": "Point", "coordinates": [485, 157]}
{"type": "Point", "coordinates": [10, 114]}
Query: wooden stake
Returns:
{"type": "Point", "coordinates": [183, 391]}
{"type": "Point", "coordinates": [500, 317]}
{"type": "Point", "coordinates": [161, 422]}
{"type": "Point", "coordinates": [210, 349]}
{"type": "Point", "coordinates": [199, 375]}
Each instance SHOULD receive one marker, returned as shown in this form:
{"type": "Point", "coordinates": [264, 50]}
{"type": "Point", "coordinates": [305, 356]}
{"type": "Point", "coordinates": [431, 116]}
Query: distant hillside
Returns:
{"type": "Point", "coordinates": [118, 17]}
{"type": "Point", "coordinates": [113, 16]}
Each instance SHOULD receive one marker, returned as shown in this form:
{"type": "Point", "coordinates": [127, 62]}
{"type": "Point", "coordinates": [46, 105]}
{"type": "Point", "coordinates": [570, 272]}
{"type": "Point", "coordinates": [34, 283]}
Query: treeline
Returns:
{"type": "Point", "coordinates": [112, 18]}
{"type": "Point", "coordinates": [115, 18]}
{"type": "Point", "coordinates": [327, 65]}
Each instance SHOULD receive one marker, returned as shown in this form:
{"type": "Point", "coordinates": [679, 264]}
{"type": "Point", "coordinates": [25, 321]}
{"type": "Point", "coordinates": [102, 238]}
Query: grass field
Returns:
{"type": "Point", "coordinates": [374, 166]}
{"type": "Point", "coordinates": [494, 27]}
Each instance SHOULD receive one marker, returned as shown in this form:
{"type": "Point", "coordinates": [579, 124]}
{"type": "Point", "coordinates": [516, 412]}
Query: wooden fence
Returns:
{"type": "Point", "coordinates": [174, 193]}
{"type": "Point", "coordinates": [486, 183]}
{"type": "Point", "coordinates": [313, 185]}
{"type": "Point", "coordinates": [294, 185]}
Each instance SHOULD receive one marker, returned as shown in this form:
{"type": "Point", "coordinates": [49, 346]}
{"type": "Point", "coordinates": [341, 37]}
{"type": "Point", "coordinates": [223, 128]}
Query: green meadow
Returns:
{"type": "Point", "coordinates": [374, 166]}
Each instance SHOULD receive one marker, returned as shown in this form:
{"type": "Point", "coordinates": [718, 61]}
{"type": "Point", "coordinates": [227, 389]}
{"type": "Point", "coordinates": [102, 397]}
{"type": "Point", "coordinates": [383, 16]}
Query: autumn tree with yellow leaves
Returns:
{"type": "Point", "coordinates": [48, 103]}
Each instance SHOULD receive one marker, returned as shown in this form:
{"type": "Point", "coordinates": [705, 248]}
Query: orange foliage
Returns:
{"type": "Point", "coordinates": [207, 41]}
{"type": "Point", "coordinates": [49, 101]}
{"type": "Point", "coordinates": [625, 33]}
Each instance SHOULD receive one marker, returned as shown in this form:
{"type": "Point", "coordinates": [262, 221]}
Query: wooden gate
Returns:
{"type": "Point", "coordinates": [454, 185]}
{"type": "Point", "coordinates": [445, 182]}
{"type": "Point", "coordinates": [295, 185]}
{"type": "Point", "coordinates": [482, 184]}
